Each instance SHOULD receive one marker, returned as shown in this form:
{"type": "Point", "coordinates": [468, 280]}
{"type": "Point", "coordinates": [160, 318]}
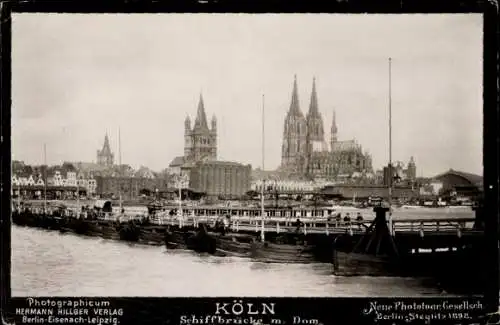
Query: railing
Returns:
{"type": "Point", "coordinates": [318, 225]}
{"type": "Point", "coordinates": [288, 224]}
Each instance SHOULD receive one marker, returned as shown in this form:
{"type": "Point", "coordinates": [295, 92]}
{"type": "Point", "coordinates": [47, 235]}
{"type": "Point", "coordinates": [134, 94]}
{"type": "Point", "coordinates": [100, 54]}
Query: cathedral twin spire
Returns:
{"type": "Point", "coordinates": [294, 105]}
{"type": "Point", "coordinates": [313, 105]}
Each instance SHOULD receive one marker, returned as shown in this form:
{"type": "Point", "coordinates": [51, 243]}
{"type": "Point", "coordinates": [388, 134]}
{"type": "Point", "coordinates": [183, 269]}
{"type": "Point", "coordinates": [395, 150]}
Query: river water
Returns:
{"type": "Point", "coordinates": [48, 263]}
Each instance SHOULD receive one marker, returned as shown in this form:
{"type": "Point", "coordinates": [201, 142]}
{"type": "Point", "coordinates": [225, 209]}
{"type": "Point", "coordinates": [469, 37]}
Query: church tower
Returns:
{"type": "Point", "coordinates": [315, 132]}
{"type": "Point", "coordinates": [187, 137]}
{"type": "Point", "coordinates": [412, 170]}
{"type": "Point", "coordinates": [293, 150]}
{"type": "Point", "coordinates": [200, 142]}
{"type": "Point", "coordinates": [104, 156]}
{"type": "Point", "coordinates": [333, 132]}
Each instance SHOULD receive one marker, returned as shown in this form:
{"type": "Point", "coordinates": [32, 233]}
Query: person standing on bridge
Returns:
{"type": "Point", "coordinates": [298, 226]}
{"type": "Point", "coordinates": [347, 218]}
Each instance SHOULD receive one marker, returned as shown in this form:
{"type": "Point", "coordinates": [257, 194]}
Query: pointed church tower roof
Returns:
{"type": "Point", "coordinates": [106, 148]}
{"type": "Point", "coordinates": [313, 105]}
{"type": "Point", "coordinates": [294, 105]}
{"type": "Point", "coordinates": [201, 117]}
{"type": "Point", "coordinates": [334, 123]}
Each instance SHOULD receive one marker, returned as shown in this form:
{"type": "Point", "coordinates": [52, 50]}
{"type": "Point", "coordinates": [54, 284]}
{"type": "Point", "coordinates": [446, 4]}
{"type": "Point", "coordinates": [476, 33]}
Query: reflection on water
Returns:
{"type": "Point", "coordinates": [46, 263]}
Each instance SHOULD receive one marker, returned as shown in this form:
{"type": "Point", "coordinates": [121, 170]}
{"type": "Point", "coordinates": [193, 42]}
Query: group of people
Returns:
{"type": "Point", "coordinates": [338, 217]}
{"type": "Point", "coordinates": [222, 224]}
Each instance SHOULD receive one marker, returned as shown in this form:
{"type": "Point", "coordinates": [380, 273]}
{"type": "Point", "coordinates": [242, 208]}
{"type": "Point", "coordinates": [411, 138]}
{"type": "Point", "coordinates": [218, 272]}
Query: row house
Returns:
{"type": "Point", "coordinates": [57, 180]}
{"type": "Point", "coordinates": [27, 181]}
{"type": "Point", "coordinates": [89, 184]}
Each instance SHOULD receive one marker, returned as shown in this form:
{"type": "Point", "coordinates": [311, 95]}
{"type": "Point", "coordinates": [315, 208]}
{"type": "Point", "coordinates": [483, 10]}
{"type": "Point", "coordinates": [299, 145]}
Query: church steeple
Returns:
{"type": "Point", "coordinates": [333, 130]}
{"type": "Point", "coordinates": [106, 148]}
{"type": "Point", "coordinates": [200, 143]}
{"type": "Point", "coordinates": [313, 105]}
{"type": "Point", "coordinates": [214, 122]}
{"type": "Point", "coordinates": [201, 117]}
{"type": "Point", "coordinates": [187, 124]}
{"type": "Point", "coordinates": [294, 147]}
{"type": "Point", "coordinates": [315, 131]}
{"type": "Point", "coordinates": [294, 105]}
{"type": "Point", "coordinates": [105, 156]}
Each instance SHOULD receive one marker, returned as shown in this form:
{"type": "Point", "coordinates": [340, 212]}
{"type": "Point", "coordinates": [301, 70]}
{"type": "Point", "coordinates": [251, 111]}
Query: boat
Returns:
{"type": "Point", "coordinates": [356, 264]}
{"type": "Point", "coordinates": [267, 252]}
{"type": "Point", "coordinates": [152, 235]}
{"type": "Point", "coordinates": [175, 238]}
{"type": "Point", "coordinates": [198, 240]}
{"type": "Point", "coordinates": [411, 207]}
{"type": "Point", "coordinates": [245, 245]}
{"type": "Point", "coordinates": [234, 244]}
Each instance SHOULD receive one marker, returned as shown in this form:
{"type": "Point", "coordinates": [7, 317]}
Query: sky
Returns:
{"type": "Point", "coordinates": [76, 77]}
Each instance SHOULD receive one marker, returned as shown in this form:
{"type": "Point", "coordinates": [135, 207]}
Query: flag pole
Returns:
{"type": "Point", "coordinates": [45, 181]}
{"type": "Point", "coordinates": [120, 166]}
{"type": "Point", "coordinates": [390, 150]}
{"type": "Point", "coordinates": [262, 228]}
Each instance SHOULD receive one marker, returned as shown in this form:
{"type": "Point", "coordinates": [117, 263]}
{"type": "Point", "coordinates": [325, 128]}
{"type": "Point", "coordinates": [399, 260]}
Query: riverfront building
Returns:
{"type": "Point", "coordinates": [58, 184]}
{"type": "Point", "coordinates": [129, 187]}
{"type": "Point", "coordinates": [363, 192]}
{"type": "Point", "coordinates": [305, 151]}
{"type": "Point", "coordinates": [220, 178]}
{"type": "Point", "coordinates": [459, 184]}
{"type": "Point", "coordinates": [199, 164]}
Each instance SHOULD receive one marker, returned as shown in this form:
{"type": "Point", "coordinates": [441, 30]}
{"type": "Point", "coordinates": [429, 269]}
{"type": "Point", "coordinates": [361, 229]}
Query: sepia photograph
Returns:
{"type": "Point", "coordinates": [247, 155]}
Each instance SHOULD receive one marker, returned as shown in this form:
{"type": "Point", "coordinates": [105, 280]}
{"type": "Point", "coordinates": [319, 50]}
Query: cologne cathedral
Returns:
{"type": "Point", "coordinates": [305, 151]}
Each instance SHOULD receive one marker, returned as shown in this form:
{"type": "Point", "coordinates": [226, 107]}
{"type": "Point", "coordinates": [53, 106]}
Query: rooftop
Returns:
{"type": "Point", "coordinates": [219, 162]}
{"type": "Point", "coordinates": [177, 161]}
{"type": "Point", "coordinates": [472, 178]}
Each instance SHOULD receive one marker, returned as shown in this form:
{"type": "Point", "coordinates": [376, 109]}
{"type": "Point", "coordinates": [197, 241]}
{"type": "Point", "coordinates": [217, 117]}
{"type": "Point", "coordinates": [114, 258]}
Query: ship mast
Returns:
{"type": "Point", "coordinates": [262, 228]}
{"type": "Point", "coordinates": [79, 209]}
{"type": "Point", "coordinates": [120, 166]}
{"type": "Point", "coordinates": [45, 181]}
{"type": "Point", "coordinates": [391, 178]}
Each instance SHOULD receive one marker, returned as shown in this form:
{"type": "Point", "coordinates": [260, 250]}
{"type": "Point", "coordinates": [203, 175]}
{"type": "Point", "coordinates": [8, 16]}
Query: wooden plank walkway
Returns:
{"type": "Point", "coordinates": [322, 225]}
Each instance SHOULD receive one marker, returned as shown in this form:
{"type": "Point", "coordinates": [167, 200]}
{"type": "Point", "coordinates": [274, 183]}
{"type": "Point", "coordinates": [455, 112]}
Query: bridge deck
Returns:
{"type": "Point", "coordinates": [443, 226]}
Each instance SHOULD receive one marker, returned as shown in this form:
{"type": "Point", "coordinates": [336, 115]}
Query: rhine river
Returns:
{"type": "Point", "coordinates": [46, 263]}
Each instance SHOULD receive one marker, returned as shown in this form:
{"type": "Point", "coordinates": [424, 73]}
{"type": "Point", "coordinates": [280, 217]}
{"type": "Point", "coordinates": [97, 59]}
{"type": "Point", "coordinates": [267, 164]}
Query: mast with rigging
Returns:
{"type": "Point", "coordinates": [262, 228]}
{"type": "Point", "coordinates": [391, 171]}
{"type": "Point", "coordinates": [45, 181]}
{"type": "Point", "coordinates": [120, 166]}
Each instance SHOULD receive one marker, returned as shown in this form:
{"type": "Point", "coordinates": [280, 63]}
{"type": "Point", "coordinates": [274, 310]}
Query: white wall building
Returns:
{"type": "Point", "coordinates": [31, 181]}
{"type": "Point", "coordinates": [89, 184]}
{"type": "Point", "coordinates": [71, 179]}
{"type": "Point", "coordinates": [57, 179]}
{"type": "Point", "coordinates": [285, 186]}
